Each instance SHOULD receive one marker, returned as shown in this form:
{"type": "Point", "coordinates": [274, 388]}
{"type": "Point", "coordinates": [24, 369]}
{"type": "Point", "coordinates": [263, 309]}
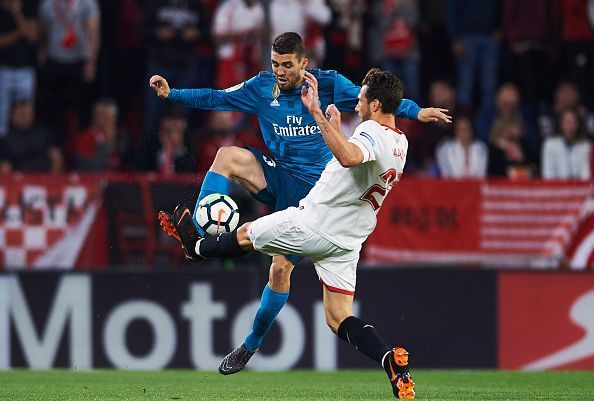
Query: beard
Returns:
{"type": "Point", "coordinates": [291, 83]}
{"type": "Point", "coordinates": [365, 116]}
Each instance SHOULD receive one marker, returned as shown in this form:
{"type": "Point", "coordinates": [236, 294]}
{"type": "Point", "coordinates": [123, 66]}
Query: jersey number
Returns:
{"type": "Point", "coordinates": [390, 177]}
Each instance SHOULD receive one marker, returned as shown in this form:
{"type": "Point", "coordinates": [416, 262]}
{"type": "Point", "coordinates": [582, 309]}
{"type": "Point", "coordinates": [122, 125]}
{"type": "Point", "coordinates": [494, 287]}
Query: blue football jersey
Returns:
{"type": "Point", "coordinates": [289, 131]}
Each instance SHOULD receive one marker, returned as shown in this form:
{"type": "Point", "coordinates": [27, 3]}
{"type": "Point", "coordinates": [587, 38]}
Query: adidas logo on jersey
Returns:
{"type": "Point", "coordinates": [275, 103]}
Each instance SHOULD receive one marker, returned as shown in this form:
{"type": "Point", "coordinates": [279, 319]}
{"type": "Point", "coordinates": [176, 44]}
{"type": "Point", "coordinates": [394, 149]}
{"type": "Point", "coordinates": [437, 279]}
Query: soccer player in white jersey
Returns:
{"type": "Point", "coordinates": [336, 217]}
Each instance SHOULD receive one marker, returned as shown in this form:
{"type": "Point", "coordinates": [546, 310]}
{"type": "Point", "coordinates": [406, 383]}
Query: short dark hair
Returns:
{"type": "Point", "coordinates": [289, 42]}
{"type": "Point", "coordinates": [385, 87]}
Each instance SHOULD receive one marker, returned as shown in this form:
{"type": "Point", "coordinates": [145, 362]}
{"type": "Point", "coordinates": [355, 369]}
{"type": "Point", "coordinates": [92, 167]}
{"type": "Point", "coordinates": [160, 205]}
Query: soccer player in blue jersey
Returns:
{"type": "Point", "coordinates": [299, 154]}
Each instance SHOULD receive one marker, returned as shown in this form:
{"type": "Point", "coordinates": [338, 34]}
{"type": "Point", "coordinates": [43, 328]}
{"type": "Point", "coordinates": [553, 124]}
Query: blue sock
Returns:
{"type": "Point", "coordinates": [270, 305]}
{"type": "Point", "coordinates": [214, 183]}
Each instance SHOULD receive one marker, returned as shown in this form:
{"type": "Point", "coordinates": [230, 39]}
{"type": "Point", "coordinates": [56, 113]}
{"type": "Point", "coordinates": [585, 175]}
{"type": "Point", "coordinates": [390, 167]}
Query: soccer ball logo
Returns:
{"type": "Point", "coordinates": [217, 213]}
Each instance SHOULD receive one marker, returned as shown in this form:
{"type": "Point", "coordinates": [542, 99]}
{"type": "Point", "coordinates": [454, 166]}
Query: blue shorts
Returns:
{"type": "Point", "coordinates": [282, 189]}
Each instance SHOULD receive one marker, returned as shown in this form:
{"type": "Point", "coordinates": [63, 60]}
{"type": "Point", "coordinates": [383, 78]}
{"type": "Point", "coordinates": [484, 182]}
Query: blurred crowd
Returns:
{"type": "Point", "coordinates": [518, 77]}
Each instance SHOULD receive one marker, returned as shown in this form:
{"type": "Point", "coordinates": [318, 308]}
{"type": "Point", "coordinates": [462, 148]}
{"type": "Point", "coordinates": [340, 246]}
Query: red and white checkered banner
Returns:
{"type": "Point", "coordinates": [535, 224]}
{"type": "Point", "coordinates": [45, 220]}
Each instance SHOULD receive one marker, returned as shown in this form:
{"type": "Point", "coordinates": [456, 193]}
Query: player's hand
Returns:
{"type": "Point", "coordinates": [431, 114]}
{"type": "Point", "coordinates": [161, 87]}
{"type": "Point", "coordinates": [333, 115]}
{"type": "Point", "coordinates": [309, 93]}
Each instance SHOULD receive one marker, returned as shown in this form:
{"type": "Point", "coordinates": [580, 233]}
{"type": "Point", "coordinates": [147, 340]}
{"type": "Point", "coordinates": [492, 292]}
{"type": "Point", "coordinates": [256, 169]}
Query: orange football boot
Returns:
{"type": "Point", "coordinates": [396, 366]}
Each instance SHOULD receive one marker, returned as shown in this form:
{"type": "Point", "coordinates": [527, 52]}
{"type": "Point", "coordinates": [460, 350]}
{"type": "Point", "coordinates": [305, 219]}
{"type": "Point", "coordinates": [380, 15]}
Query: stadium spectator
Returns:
{"type": "Point", "coordinates": [566, 96]}
{"type": "Point", "coordinates": [173, 30]}
{"type": "Point", "coordinates": [345, 38]}
{"type": "Point", "coordinates": [221, 132]}
{"type": "Point", "coordinates": [307, 18]}
{"type": "Point", "coordinates": [18, 38]}
{"type": "Point", "coordinates": [436, 54]}
{"type": "Point", "coordinates": [29, 147]}
{"type": "Point", "coordinates": [475, 30]}
{"type": "Point", "coordinates": [531, 28]}
{"type": "Point", "coordinates": [238, 31]}
{"type": "Point", "coordinates": [398, 20]}
{"type": "Point", "coordinates": [567, 156]}
{"type": "Point", "coordinates": [578, 40]}
{"type": "Point", "coordinates": [123, 60]}
{"type": "Point", "coordinates": [462, 156]}
{"type": "Point", "coordinates": [103, 146]}
{"type": "Point", "coordinates": [508, 107]}
{"type": "Point", "coordinates": [173, 155]}
{"type": "Point", "coordinates": [69, 48]}
{"type": "Point", "coordinates": [422, 147]}
{"type": "Point", "coordinates": [225, 128]}
{"type": "Point", "coordinates": [507, 152]}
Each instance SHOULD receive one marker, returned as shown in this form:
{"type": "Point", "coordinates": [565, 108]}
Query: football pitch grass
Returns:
{"type": "Point", "coordinates": [182, 385]}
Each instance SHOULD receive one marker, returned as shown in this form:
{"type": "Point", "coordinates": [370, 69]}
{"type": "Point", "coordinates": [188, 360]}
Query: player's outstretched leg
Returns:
{"type": "Point", "coordinates": [180, 226]}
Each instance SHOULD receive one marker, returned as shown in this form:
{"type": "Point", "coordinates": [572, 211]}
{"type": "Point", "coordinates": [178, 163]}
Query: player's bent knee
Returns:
{"type": "Point", "coordinates": [279, 278]}
{"type": "Point", "coordinates": [281, 268]}
{"type": "Point", "coordinates": [233, 154]}
{"type": "Point", "coordinates": [235, 161]}
{"type": "Point", "coordinates": [227, 156]}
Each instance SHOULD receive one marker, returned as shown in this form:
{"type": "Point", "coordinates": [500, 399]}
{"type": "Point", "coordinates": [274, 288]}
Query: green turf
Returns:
{"type": "Point", "coordinates": [295, 385]}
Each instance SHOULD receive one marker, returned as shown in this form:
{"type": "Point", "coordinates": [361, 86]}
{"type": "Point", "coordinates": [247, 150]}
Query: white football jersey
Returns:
{"type": "Point", "coordinates": [343, 204]}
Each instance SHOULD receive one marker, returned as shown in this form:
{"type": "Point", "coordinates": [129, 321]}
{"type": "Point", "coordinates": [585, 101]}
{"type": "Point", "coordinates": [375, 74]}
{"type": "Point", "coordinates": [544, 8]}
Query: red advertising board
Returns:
{"type": "Point", "coordinates": [497, 223]}
{"type": "Point", "coordinates": [46, 220]}
{"type": "Point", "coordinates": [546, 321]}
{"type": "Point", "coordinates": [422, 218]}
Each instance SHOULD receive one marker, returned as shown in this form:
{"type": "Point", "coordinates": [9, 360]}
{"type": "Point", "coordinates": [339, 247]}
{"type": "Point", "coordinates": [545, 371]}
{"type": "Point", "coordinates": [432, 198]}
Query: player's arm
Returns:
{"type": "Point", "coordinates": [242, 97]}
{"type": "Point", "coordinates": [347, 153]}
{"type": "Point", "coordinates": [345, 98]}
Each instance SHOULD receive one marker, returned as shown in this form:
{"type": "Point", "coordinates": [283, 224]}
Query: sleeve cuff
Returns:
{"type": "Point", "coordinates": [364, 149]}
{"type": "Point", "coordinates": [173, 95]}
{"type": "Point", "coordinates": [416, 109]}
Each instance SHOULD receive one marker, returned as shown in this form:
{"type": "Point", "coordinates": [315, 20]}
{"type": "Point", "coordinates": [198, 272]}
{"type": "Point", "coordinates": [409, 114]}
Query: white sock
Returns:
{"type": "Point", "coordinates": [197, 247]}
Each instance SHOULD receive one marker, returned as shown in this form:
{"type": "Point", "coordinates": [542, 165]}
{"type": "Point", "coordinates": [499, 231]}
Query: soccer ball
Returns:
{"type": "Point", "coordinates": [217, 213]}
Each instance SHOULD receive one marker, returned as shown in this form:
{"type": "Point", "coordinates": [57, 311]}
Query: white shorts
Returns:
{"type": "Point", "coordinates": [282, 233]}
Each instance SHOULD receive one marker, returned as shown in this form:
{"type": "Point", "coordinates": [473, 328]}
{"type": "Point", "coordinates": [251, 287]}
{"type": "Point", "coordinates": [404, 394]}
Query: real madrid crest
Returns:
{"type": "Point", "coordinates": [275, 95]}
